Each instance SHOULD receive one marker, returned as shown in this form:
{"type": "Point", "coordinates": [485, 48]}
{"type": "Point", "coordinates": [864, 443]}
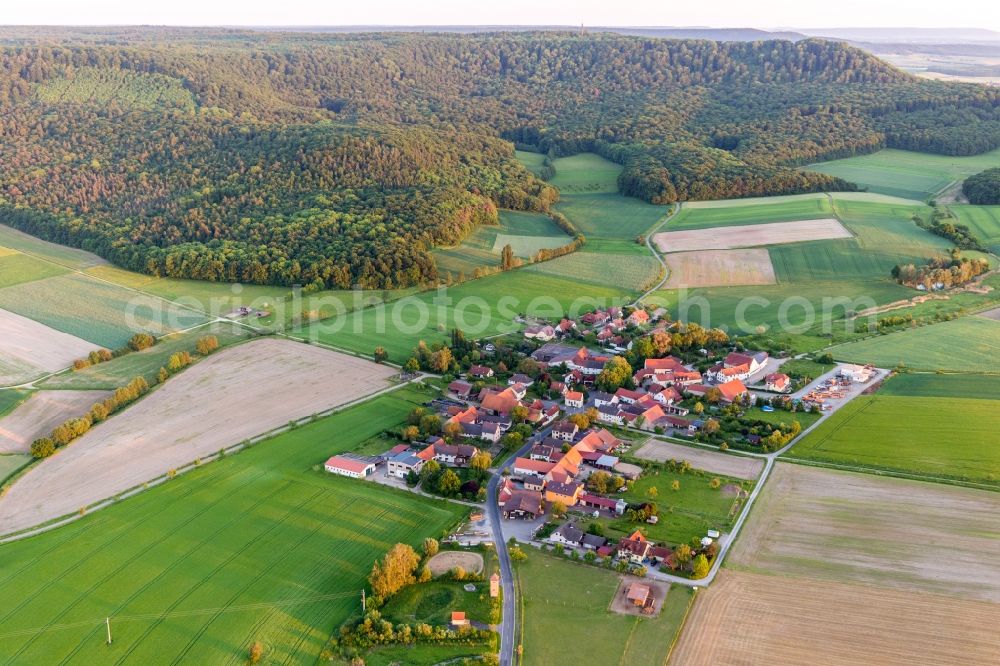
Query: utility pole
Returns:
{"type": "Point", "coordinates": [107, 622]}
{"type": "Point", "coordinates": [363, 609]}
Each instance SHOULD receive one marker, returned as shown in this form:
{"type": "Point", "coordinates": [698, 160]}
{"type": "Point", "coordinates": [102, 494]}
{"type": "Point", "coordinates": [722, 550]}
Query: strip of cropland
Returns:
{"type": "Point", "coordinates": [564, 603]}
{"type": "Point", "coordinates": [914, 431]}
{"type": "Point", "coordinates": [968, 344]}
{"type": "Point", "coordinates": [982, 221]}
{"type": "Point", "coordinates": [906, 174]}
{"type": "Point", "coordinates": [858, 568]}
{"type": "Point", "coordinates": [259, 546]}
{"type": "Point", "coordinates": [236, 394]}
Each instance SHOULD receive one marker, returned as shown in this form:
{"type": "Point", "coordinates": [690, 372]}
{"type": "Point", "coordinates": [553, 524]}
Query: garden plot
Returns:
{"type": "Point", "coordinates": [29, 349]}
{"type": "Point", "coordinates": [751, 235]}
{"type": "Point", "coordinates": [238, 393]}
{"type": "Point", "coordinates": [719, 268]}
{"type": "Point", "coordinates": [39, 414]}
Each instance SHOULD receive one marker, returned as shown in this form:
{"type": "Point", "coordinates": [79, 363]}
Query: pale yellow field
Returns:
{"type": "Point", "coordinates": [748, 618]}
{"type": "Point", "coordinates": [39, 414]}
{"type": "Point", "coordinates": [742, 467]}
{"type": "Point", "coordinates": [719, 268]}
{"type": "Point", "coordinates": [872, 530]}
{"type": "Point", "coordinates": [750, 235]}
{"type": "Point", "coordinates": [236, 394]}
{"type": "Point", "coordinates": [29, 349]}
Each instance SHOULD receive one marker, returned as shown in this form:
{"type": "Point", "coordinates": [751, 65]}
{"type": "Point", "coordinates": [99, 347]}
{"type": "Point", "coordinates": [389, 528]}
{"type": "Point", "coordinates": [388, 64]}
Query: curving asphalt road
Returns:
{"type": "Point", "coordinates": [508, 624]}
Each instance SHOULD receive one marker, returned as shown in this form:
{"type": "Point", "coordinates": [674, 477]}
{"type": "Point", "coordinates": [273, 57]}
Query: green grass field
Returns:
{"type": "Point", "coordinates": [907, 174]}
{"type": "Point", "coordinates": [743, 309]}
{"type": "Point", "coordinates": [67, 256]}
{"type": "Point", "coordinates": [9, 464]}
{"type": "Point", "coordinates": [422, 654]}
{"type": "Point", "coordinates": [533, 161]}
{"type": "Point", "coordinates": [927, 385]}
{"type": "Point", "coordinates": [256, 547]}
{"type": "Point", "coordinates": [17, 268]}
{"type": "Point", "coordinates": [11, 398]}
{"type": "Point", "coordinates": [969, 344]}
{"type": "Point", "coordinates": [632, 271]}
{"type": "Point", "coordinates": [684, 513]}
{"type": "Point", "coordinates": [480, 307]}
{"type": "Point", "coordinates": [761, 210]}
{"type": "Point", "coordinates": [525, 232]}
{"type": "Point", "coordinates": [945, 437]}
{"type": "Point", "coordinates": [586, 172]}
{"type": "Point", "coordinates": [566, 617]}
{"type": "Point", "coordinates": [98, 312]}
{"type": "Point", "coordinates": [147, 363]}
{"type": "Point", "coordinates": [433, 603]}
{"type": "Point", "coordinates": [804, 367]}
{"type": "Point", "coordinates": [781, 416]}
{"type": "Point", "coordinates": [983, 222]}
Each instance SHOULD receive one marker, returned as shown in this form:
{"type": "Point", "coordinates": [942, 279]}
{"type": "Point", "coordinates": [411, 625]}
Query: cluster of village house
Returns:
{"type": "Point", "coordinates": [655, 403]}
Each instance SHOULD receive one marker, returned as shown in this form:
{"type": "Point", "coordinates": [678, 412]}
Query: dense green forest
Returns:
{"type": "Point", "coordinates": [342, 159]}
{"type": "Point", "coordinates": [983, 188]}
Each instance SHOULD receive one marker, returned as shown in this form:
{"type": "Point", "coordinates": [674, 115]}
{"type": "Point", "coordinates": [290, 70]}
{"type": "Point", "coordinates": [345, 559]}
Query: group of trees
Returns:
{"type": "Point", "coordinates": [983, 189]}
{"type": "Point", "coordinates": [942, 272]}
{"type": "Point", "coordinates": [70, 429]}
{"type": "Point", "coordinates": [336, 160]}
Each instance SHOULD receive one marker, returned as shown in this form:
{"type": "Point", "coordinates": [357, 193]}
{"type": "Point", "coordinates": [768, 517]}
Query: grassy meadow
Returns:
{"type": "Point", "coordinates": [954, 385]}
{"type": "Point", "coordinates": [935, 436]}
{"type": "Point", "coordinates": [983, 222]}
{"type": "Point", "coordinates": [566, 617]}
{"type": "Point", "coordinates": [969, 344]}
{"type": "Point", "coordinates": [17, 268]}
{"type": "Point", "coordinates": [59, 254]}
{"type": "Point", "coordinates": [526, 233]}
{"type": "Point", "coordinates": [636, 272]}
{"type": "Point", "coordinates": [11, 398]}
{"type": "Point", "coordinates": [906, 174]}
{"type": "Point", "coordinates": [760, 210]}
{"type": "Point", "coordinates": [483, 307]}
{"type": "Point", "coordinates": [10, 463]}
{"type": "Point", "coordinates": [261, 546]}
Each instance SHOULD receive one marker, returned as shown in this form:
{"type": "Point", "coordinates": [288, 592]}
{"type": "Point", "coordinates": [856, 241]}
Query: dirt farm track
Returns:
{"type": "Point", "coordinates": [236, 394]}
{"type": "Point", "coordinates": [747, 618]}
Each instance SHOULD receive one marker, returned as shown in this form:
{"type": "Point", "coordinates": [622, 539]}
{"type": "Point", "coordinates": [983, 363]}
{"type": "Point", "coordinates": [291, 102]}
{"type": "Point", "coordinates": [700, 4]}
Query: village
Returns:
{"type": "Point", "coordinates": [555, 416]}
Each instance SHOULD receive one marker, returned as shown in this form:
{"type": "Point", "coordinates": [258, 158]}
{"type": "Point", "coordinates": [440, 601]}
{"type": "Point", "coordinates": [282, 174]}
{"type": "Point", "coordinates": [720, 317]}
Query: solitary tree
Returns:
{"type": "Point", "coordinates": [699, 567]}
{"type": "Point", "coordinates": [381, 354]}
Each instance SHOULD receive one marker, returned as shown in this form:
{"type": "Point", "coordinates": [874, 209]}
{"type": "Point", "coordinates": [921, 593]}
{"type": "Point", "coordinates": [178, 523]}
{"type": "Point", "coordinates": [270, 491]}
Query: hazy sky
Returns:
{"type": "Point", "coordinates": [717, 13]}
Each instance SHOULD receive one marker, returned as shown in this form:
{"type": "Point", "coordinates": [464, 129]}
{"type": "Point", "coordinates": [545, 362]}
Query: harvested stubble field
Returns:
{"type": "Point", "coordinates": [874, 531]}
{"type": "Point", "coordinates": [743, 467]}
{"type": "Point", "coordinates": [39, 414]}
{"type": "Point", "coordinates": [751, 235]}
{"type": "Point", "coordinates": [718, 268]}
{"type": "Point", "coordinates": [29, 349]}
{"type": "Point", "coordinates": [220, 401]}
{"type": "Point", "coordinates": [749, 618]}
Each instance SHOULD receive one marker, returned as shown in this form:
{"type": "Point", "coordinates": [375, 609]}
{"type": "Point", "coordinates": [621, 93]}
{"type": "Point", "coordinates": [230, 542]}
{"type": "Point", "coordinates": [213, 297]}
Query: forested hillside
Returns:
{"type": "Point", "coordinates": [342, 159]}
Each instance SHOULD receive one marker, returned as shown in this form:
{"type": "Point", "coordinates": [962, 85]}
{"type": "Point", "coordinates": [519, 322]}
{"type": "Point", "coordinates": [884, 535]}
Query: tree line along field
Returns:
{"type": "Point", "coordinates": [146, 363]}
{"type": "Point", "coordinates": [927, 436]}
{"type": "Point", "coordinates": [906, 174]}
{"type": "Point", "coordinates": [968, 344]}
{"type": "Point", "coordinates": [565, 616]}
{"type": "Point", "coordinates": [260, 546]}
